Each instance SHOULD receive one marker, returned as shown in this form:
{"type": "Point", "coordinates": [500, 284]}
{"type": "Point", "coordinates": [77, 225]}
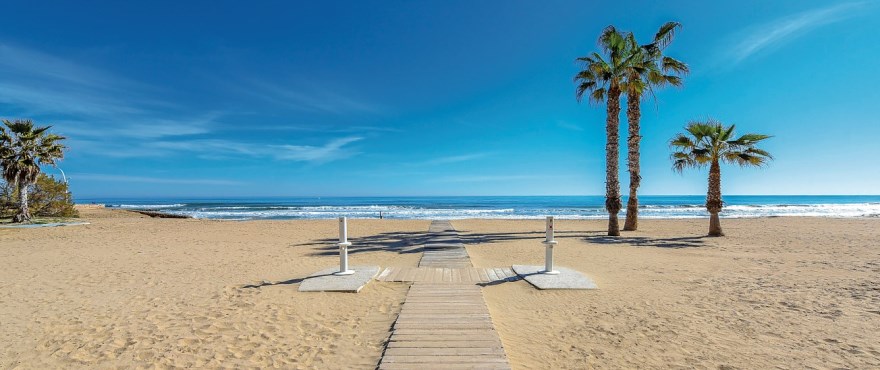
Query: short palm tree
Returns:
{"type": "Point", "coordinates": [709, 143]}
{"type": "Point", "coordinates": [601, 79]}
{"type": "Point", "coordinates": [23, 148]}
{"type": "Point", "coordinates": [649, 69]}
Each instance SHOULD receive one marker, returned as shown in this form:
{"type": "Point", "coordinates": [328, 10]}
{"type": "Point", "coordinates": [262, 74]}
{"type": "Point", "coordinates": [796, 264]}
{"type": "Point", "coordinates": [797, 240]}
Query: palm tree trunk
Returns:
{"type": "Point", "coordinates": [612, 156]}
{"type": "Point", "coordinates": [24, 214]}
{"type": "Point", "coordinates": [633, 115]}
{"type": "Point", "coordinates": [713, 199]}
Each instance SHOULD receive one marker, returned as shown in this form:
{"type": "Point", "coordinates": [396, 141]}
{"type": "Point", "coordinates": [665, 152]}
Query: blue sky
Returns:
{"type": "Point", "coordinates": [223, 98]}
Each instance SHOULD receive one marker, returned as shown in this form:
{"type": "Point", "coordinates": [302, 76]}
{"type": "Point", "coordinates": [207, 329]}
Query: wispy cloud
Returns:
{"type": "Point", "coordinates": [144, 129]}
{"type": "Point", "coordinates": [453, 159]}
{"type": "Point", "coordinates": [333, 150]}
{"type": "Point", "coordinates": [569, 126]}
{"type": "Point", "coordinates": [107, 115]}
{"type": "Point", "coordinates": [41, 66]}
{"type": "Point", "coordinates": [151, 180]}
{"type": "Point", "coordinates": [44, 83]}
{"type": "Point", "coordinates": [305, 97]}
{"type": "Point", "coordinates": [784, 29]}
{"type": "Point", "coordinates": [488, 178]}
{"type": "Point", "coordinates": [84, 101]}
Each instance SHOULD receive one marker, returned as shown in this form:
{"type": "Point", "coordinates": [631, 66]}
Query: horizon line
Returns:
{"type": "Point", "coordinates": [460, 196]}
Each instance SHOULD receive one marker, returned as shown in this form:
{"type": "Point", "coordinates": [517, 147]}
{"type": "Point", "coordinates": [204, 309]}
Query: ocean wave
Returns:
{"type": "Point", "coordinates": [511, 210]}
{"type": "Point", "coordinates": [146, 206]}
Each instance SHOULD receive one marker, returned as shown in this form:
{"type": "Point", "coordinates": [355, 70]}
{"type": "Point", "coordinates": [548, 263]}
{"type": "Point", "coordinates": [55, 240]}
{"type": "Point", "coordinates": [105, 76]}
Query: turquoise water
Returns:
{"type": "Point", "coordinates": [565, 207]}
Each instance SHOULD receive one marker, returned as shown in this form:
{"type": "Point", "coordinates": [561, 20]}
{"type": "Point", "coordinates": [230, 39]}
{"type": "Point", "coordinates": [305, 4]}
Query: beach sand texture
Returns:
{"type": "Point", "coordinates": [789, 293]}
{"type": "Point", "coordinates": [129, 291]}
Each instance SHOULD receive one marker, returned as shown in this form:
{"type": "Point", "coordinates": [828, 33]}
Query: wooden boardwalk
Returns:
{"type": "Point", "coordinates": [444, 248]}
{"type": "Point", "coordinates": [472, 275]}
{"type": "Point", "coordinates": [444, 326]}
{"type": "Point", "coordinates": [444, 322]}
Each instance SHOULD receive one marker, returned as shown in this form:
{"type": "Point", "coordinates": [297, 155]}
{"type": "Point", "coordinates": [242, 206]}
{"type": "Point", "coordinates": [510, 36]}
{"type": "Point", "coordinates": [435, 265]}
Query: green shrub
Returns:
{"type": "Point", "coordinates": [48, 197]}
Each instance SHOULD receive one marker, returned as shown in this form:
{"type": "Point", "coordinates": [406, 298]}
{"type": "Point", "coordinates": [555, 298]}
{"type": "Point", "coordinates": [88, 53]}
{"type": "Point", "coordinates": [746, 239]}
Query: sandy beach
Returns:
{"type": "Point", "coordinates": [128, 291]}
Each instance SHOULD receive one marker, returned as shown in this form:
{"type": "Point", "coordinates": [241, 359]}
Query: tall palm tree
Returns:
{"type": "Point", "coordinates": [648, 70]}
{"type": "Point", "coordinates": [23, 148]}
{"type": "Point", "coordinates": [711, 142]}
{"type": "Point", "coordinates": [601, 79]}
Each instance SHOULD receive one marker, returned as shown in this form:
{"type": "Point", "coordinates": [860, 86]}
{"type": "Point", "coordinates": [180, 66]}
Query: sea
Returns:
{"type": "Point", "coordinates": [499, 207]}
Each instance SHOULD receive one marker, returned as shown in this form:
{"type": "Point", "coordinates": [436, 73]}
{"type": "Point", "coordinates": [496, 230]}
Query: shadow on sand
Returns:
{"type": "Point", "coordinates": [643, 241]}
{"type": "Point", "coordinates": [413, 242]}
{"type": "Point", "coordinates": [400, 242]}
{"type": "Point", "coordinates": [283, 282]}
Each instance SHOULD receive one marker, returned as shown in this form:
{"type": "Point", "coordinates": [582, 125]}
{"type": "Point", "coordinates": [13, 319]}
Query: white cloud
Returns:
{"type": "Point", "coordinates": [308, 98]}
{"type": "Point", "coordinates": [143, 129]}
{"type": "Point", "coordinates": [40, 66]}
{"type": "Point", "coordinates": [489, 178]}
{"type": "Point", "coordinates": [220, 149]}
{"type": "Point", "coordinates": [109, 116]}
{"type": "Point", "coordinates": [785, 29]}
{"type": "Point", "coordinates": [86, 102]}
{"type": "Point", "coordinates": [453, 159]}
{"type": "Point", "coordinates": [569, 126]}
{"type": "Point", "coordinates": [331, 151]}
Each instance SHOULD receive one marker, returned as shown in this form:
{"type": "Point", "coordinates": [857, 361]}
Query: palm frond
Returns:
{"type": "Point", "coordinates": [598, 96]}
{"type": "Point", "coordinates": [670, 64]}
{"type": "Point", "coordinates": [682, 141]}
{"type": "Point", "coordinates": [750, 139]}
{"type": "Point", "coordinates": [665, 34]}
{"type": "Point", "coordinates": [611, 41]}
{"type": "Point", "coordinates": [725, 134]}
{"type": "Point", "coordinates": [710, 141]}
{"type": "Point", "coordinates": [23, 148]}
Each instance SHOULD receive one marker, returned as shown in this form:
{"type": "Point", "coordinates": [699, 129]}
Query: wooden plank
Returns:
{"type": "Point", "coordinates": [447, 332]}
{"type": "Point", "coordinates": [444, 323]}
{"type": "Point", "coordinates": [451, 326]}
{"type": "Point", "coordinates": [447, 291]}
{"type": "Point", "coordinates": [482, 336]}
{"type": "Point", "coordinates": [437, 275]}
{"type": "Point", "coordinates": [395, 271]}
{"type": "Point", "coordinates": [451, 302]}
{"type": "Point", "coordinates": [408, 274]}
{"type": "Point", "coordinates": [421, 275]}
{"type": "Point", "coordinates": [384, 275]}
{"type": "Point", "coordinates": [446, 359]}
{"type": "Point", "coordinates": [393, 366]}
{"type": "Point", "coordinates": [484, 277]}
{"type": "Point", "coordinates": [420, 343]}
{"type": "Point", "coordinates": [422, 305]}
{"type": "Point", "coordinates": [492, 275]}
{"type": "Point", "coordinates": [473, 276]}
{"type": "Point", "coordinates": [431, 321]}
{"type": "Point", "coordinates": [439, 315]}
{"type": "Point", "coordinates": [443, 351]}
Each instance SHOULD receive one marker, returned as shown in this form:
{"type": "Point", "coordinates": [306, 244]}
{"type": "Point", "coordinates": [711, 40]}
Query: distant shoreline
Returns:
{"type": "Point", "coordinates": [569, 207]}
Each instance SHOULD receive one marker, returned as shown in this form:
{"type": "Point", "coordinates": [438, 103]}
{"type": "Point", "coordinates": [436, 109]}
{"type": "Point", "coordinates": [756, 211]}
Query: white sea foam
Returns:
{"type": "Point", "coordinates": [269, 211]}
{"type": "Point", "coordinates": [146, 206]}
